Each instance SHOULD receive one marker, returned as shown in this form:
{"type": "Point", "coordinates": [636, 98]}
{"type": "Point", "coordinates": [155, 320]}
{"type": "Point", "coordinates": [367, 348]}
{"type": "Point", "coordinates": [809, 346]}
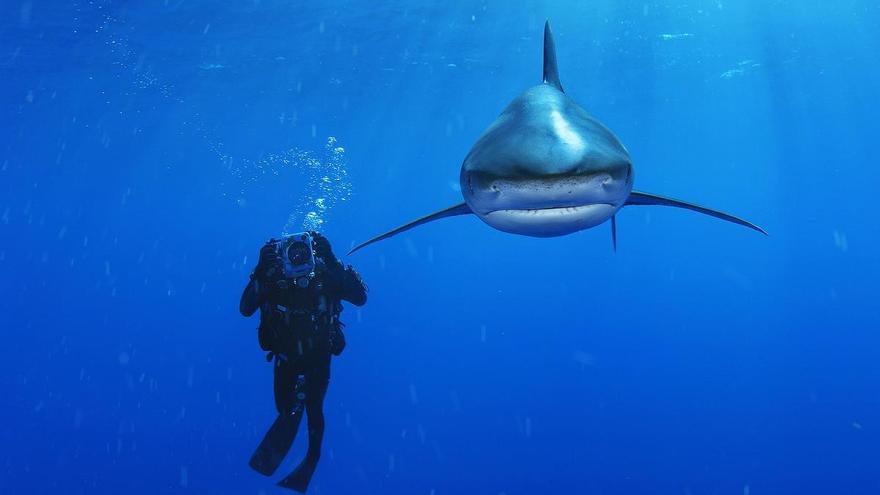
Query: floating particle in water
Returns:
{"type": "Point", "coordinates": [411, 248]}
{"type": "Point", "coordinates": [24, 15]}
{"type": "Point", "coordinates": [124, 358]}
{"type": "Point", "coordinates": [131, 65]}
{"type": "Point", "coordinates": [742, 68]}
{"type": "Point", "coordinates": [456, 402]}
{"type": "Point", "coordinates": [584, 358]}
{"type": "Point", "coordinates": [675, 36]}
{"type": "Point", "coordinates": [840, 241]}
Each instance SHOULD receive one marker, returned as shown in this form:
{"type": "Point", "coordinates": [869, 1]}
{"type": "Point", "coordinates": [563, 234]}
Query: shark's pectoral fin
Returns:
{"type": "Point", "coordinates": [640, 198]}
{"type": "Point", "coordinates": [459, 209]}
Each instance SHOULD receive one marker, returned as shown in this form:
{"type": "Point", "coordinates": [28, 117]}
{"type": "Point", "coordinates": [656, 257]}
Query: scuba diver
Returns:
{"type": "Point", "coordinates": [299, 285]}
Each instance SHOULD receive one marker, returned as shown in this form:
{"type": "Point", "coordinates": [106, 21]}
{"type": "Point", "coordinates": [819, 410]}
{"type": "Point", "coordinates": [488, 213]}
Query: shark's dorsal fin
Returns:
{"type": "Point", "coordinates": [551, 72]}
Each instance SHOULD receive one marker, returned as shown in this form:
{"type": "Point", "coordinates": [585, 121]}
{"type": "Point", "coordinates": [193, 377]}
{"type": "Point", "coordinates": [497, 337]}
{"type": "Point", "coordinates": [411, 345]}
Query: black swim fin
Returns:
{"type": "Point", "coordinates": [300, 478]}
{"type": "Point", "coordinates": [276, 443]}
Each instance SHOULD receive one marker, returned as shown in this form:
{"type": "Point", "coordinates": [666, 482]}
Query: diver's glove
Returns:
{"type": "Point", "coordinates": [345, 283]}
{"type": "Point", "coordinates": [270, 268]}
{"type": "Point", "coordinates": [325, 252]}
{"type": "Point", "coordinates": [332, 271]}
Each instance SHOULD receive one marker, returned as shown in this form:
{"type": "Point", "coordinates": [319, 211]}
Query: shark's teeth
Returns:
{"type": "Point", "coordinates": [549, 222]}
{"type": "Point", "coordinates": [558, 210]}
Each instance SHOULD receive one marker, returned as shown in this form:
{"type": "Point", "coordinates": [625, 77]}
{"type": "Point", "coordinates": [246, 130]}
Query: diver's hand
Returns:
{"type": "Point", "coordinates": [270, 268]}
{"type": "Point", "coordinates": [324, 251]}
{"type": "Point", "coordinates": [331, 278]}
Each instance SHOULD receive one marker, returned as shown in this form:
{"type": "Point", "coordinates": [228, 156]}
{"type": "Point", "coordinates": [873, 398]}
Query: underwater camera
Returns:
{"type": "Point", "coordinates": [297, 253]}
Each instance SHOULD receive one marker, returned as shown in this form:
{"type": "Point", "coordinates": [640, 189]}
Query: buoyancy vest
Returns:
{"type": "Point", "coordinates": [298, 322]}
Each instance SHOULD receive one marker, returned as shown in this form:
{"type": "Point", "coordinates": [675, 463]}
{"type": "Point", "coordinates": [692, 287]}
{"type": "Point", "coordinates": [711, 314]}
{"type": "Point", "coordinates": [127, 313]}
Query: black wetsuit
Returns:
{"type": "Point", "coordinates": [301, 328]}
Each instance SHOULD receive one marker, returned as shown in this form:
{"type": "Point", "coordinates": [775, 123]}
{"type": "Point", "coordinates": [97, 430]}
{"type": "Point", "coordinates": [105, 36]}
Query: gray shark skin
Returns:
{"type": "Point", "coordinates": [546, 168]}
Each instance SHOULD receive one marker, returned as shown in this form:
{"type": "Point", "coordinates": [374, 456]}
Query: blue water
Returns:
{"type": "Point", "coordinates": [148, 149]}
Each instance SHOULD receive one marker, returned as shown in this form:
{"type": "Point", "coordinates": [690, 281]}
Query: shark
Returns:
{"type": "Point", "coordinates": [547, 168]}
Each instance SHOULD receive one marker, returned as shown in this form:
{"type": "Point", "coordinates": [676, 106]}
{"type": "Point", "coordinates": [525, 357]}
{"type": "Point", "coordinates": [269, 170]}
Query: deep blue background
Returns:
{"type": "Point", "coordinates": [701, 358]}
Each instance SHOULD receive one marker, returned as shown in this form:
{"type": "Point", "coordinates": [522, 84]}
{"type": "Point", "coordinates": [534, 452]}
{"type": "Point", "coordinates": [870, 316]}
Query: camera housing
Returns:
{"type": "Point", "coordinates": [297, 254]}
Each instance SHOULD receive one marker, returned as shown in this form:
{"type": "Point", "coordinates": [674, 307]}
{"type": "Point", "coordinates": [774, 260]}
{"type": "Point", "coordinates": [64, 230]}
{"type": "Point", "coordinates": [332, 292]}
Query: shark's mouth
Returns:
{"type": "Point", "coordinates": [487, 195]}
{"type": "Point", "coordinates": [549, 221]}
{"type": "Point", "coordinates": [545, 207]}
{"type": "Point", "coordinates": [550, 210]}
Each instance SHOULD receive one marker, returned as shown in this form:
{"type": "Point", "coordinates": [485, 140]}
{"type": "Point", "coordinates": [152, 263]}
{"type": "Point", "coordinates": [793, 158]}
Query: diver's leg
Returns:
{"type": "Point", "coordinates": [285, 381]}
{"type": "Point", "coordinates": [317, 380]}
{"type": "Point", "coordinates": [278, 440]}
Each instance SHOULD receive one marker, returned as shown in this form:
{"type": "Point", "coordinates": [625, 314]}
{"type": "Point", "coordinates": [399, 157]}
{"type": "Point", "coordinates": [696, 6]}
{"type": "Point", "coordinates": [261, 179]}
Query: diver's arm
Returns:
{"type": "Point", "coordinates": [268, 270]}
{"type": "Point", "coordinates": [345, 283]}
{"type": "Point", "coordinates": [251, 298]}
{"type": "Point", "coordinates": [353, 290]}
